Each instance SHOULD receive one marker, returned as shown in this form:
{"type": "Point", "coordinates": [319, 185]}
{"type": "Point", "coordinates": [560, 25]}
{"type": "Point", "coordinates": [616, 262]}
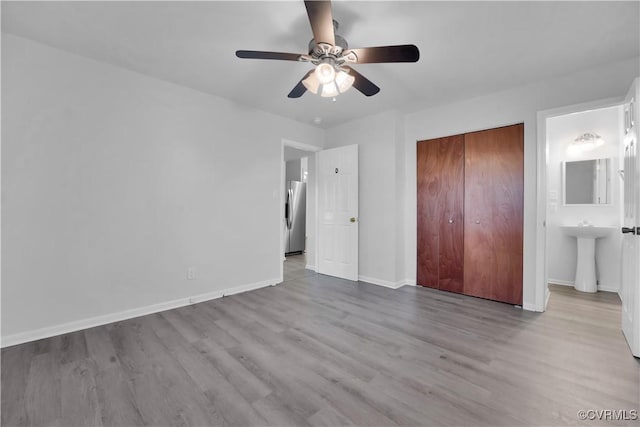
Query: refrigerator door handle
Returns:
{"type": "Point", "coordinates": [289, 209]}
{"type": "Point", "coordinates": [286, 209]}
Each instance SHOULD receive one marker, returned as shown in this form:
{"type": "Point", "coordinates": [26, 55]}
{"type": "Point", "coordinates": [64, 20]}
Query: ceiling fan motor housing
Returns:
{"type": "Point", "coordinates": [319, 50]}
{"type": "Point", "coordinates": [316, 49]}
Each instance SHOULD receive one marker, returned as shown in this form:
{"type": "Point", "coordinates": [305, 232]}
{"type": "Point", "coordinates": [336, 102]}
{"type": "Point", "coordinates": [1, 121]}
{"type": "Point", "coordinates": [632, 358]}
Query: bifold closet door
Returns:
{"type": "Point", "coordinates": [440, 171]}
{"type": "Point", "coordinates": [494, 187]}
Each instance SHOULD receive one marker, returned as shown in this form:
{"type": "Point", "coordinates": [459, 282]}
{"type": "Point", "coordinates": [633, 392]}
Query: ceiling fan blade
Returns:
{"type": "Point", "coordinates": [401, 53]}
{"type": "Point", "coordinates": [321, 20]}
{"type": "Point", "coordinates": [299, 89]}
{"type": "Point", "coordinates": [363, 84]}
{"type": "Point", "coordinates": [259, 54]}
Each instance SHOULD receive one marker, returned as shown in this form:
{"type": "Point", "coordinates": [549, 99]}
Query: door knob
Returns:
{"type": "Point", "coordinates": [477, 221]}
{"type": "Point", "coordinates": [353, 219]}
{"type": "Point", "coordinates": [450, 221]}
{"type": "Point", "coordinates": [631, 230]}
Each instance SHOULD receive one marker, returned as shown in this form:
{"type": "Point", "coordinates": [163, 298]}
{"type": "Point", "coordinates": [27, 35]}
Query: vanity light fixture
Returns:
{"type": "Point", "coordinates": [588, 141]}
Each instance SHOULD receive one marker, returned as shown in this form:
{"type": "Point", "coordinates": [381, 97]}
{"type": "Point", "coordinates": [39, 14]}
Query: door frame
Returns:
{"type": "Point", "coordinates": [312, 149]}
{"type": "Point", "coordinates": [541, 286]}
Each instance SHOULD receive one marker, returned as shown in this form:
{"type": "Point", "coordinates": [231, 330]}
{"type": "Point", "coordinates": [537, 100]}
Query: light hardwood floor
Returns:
{"type": "Point", "coordinates": [295, 268]}
{"type": "Point", "coordinates": [323, 352]}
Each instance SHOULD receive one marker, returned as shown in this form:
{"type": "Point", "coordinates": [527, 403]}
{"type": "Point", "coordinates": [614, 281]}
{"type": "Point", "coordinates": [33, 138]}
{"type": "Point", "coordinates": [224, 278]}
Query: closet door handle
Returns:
{"type": "Point", "coordinates": [477, 221]}
{"type": "Point", "coordinates": [450, 221]}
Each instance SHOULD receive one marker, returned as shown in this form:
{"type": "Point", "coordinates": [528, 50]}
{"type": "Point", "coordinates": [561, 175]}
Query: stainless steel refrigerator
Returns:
{"type": "Point", "coordinates": [295, 215]}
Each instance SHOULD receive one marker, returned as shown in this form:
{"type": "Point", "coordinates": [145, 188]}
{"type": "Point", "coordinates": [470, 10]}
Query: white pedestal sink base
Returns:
{"type": "Point", "coordinates": [586, 262]}
{"type": "Point", "coordinates": [586, 265]}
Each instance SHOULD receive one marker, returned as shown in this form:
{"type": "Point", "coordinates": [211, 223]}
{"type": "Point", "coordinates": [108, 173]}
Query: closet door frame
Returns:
{"type": "Point", "coordinates": [420, 278]}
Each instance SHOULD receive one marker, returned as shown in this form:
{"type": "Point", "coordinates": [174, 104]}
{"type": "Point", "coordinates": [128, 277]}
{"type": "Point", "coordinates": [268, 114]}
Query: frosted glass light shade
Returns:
{"type": "Point", "coordinates": [325, 73]}
{"type": "Point", "coordinates": [329, 90]}
{"type": "Point", "coordinates": [312, 83]}
{"type": "Point", "coordinates": [344, 81]}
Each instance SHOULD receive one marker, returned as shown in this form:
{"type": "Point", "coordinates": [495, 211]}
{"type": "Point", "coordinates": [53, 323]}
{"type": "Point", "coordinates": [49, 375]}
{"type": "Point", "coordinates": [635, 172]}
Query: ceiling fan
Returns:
{"type": "Point", "coordinates": [330, 54]}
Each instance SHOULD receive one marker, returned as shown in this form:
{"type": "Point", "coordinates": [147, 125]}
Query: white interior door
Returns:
{"type": "Point", "coordinates": [630, 289]}
{"type": "Point", "coordinates": [338, 212]}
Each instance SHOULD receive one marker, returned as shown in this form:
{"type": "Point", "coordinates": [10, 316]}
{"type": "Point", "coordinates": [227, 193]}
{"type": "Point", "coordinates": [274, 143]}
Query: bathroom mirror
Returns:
{"type": "Point", "coordinates": [587, 182]}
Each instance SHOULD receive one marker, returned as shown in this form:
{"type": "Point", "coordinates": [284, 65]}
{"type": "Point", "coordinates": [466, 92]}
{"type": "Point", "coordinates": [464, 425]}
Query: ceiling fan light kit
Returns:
{"type": "Point", "coordinates": [329, 53]}
{"type": "Point", "coordinates": [327, 82]}
{"type": "Point", "coordinates": [325, 73]}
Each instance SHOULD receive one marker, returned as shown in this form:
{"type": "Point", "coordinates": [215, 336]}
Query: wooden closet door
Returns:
{"type": "Point", "coordinates": [494, 187]}
{"type": "Point", "coordinates": [440, 171]}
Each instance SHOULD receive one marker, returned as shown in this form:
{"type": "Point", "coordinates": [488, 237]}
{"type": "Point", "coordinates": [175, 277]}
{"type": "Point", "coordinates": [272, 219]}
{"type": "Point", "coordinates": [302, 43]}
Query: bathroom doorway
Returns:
{"type": "Point", "coordinates": [594, 144]}
{"type": "Point", "coordinates": [584, 199]}
{"type": "Point", "coordinates": [613, 213]}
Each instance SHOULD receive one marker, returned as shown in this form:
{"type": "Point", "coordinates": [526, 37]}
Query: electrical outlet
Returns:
{"type": "Point", "coordinates": [191, 273]}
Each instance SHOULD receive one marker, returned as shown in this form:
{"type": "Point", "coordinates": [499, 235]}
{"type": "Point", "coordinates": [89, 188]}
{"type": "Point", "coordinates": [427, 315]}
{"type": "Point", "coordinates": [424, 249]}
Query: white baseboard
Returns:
{"type": "Point", "coordinates": [547, 294]}
{"type": "Point", "coordinates": [77, 325]}
{"type": "Point", "coordinates": [408, 282]}
{"type": "Point", "coordinates": [602, 287]}
{"type": "Point", "coordinates": [311, 267]}
{"type": "Point", "coordinates": [534, 307]}
{"type": "Point", "coordinates": [607, 287]}
{"type": "Point", "coordinates": [560, 282]}
{"type": "Point", "coordinates": [380, 282]}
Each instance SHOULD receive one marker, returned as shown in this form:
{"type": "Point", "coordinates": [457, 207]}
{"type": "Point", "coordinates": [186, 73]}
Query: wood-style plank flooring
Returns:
{"type": "Point", "coordinates": [321, 351]}
{"type": "Point", "coordinates": [295, 268]}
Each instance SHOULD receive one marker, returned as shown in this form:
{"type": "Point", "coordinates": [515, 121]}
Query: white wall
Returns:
{"type": "Point", "coordinates": [310, 242]}
{"type": "Point", "coordinates": [388, 162]}
{"type": "Point", "coordinates": [401, 206]}
{"type": "Point", "coordinates": [114, 183]}
{"type": "Point", "coordinates": [561, 252]}
{"type": "Point", "coordinates": [376, 137]}
{"type": "Point", "coordinates": [106, 175]}
{"type": "Point", "coordinates": [518, 105]}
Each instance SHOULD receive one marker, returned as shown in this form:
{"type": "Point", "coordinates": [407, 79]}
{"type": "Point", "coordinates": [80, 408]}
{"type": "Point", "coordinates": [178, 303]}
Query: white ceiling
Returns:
{"type": "Point", "coordinates": [467, 48]}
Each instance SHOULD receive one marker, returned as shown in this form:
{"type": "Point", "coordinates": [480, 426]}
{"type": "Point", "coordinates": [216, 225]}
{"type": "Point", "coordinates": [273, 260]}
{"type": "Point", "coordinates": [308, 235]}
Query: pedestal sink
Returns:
{"type": "Point", "coordinates": [586, 266]}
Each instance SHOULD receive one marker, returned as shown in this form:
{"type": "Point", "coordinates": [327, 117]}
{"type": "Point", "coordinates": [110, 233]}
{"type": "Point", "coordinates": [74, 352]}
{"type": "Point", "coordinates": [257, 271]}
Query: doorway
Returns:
{"type": "Point", "coordinates": [584, 190]}
{"type": "Point", "coordinates": [558, 130]}
{"type": "Point", "coordinates": [331, 243]}
{"type": "Point", "coordinates": [298, 228]}
{"type": "Point", "coordinates": [616, 188]}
